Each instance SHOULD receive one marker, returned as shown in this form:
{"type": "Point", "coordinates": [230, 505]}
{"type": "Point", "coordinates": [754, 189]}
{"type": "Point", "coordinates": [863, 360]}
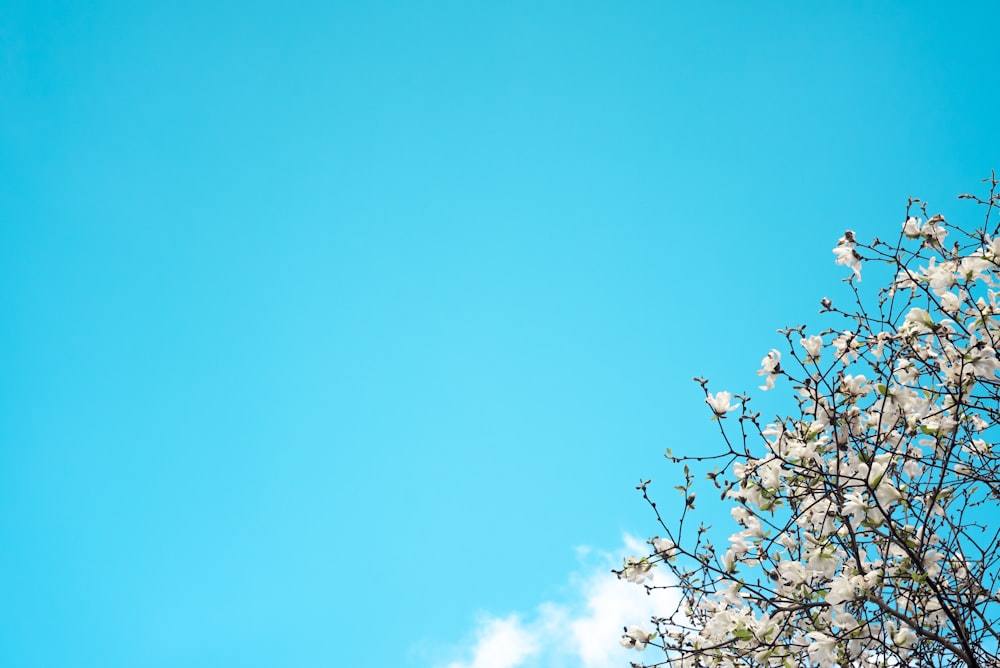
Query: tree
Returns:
{"type": "Point", "coordinates": [867, 518]}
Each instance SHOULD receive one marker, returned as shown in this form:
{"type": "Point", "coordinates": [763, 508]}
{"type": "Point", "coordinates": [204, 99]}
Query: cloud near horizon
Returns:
{"type": "Point", "coordinates": [582, 632]}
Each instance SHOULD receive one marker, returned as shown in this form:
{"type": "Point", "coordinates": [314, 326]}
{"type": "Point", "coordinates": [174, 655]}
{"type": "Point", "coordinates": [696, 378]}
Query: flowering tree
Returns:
{"type": "Point", "coordinates": [868, 517]}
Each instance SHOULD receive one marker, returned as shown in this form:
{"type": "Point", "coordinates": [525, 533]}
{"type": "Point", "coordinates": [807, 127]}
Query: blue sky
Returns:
{"type": "Point", "coordinates": [340, 333]}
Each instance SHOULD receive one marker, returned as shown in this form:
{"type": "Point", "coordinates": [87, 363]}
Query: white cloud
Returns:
{"type": "Point", "coordinates": [501, 643]}
{"type": "Point", "coordinates": [582, 632]}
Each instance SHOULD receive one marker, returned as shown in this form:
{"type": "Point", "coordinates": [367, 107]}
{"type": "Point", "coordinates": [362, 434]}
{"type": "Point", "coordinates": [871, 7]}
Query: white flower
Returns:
{"type": "Point", "coordinates": [878, 480]}
{"type": "Point", "coordinates": [933, 231]}
{"type": "Point", "coordinates": [904, 637]}
{"type": "Point", "coordinates": [846, 346]}
{"type": "Point", "coordinates": [770, 367]}
{"type": "Point", "coordinates": [636, 638]}
{"type": "Point", "coordinates": [792, 572]}
{"type": "Point", "coordinates": [841, 590]}
{"type": "Point", "coordinates": [856, 508]}
{"type": "Point", "coordinates": [980, 447]}
{"type": "Point", "coordinates": [847, 256]}
{"type": "Point", "coordinates": [930, 563]}
{"type": "Point", "coordinates": [941, 276]}
{"type": "Point", "coordinates": [720, 403]}
{"type": "Point", "coordinates": [912, 468]}
{"type": "Point", "coordinates": [911, 228]}
{"type": "Point", "coordinates": [906, 372]}
{"type": "Point", "coordinates": [855, 386]}
{"type": "Point", "coordinates": [992, 249]}
{"type": "Point", "coordinates": [919, 319]}
{"type": "Point", "coordinates": [877, 343]}
{"type": "Point", "coordinates": [823, 649]}
{"type": "Point", "coordinates": [887, 495]}
{"type": "Point", "coordinates": [729, 560]}
{"type": "Point", "coordinates": [876, 472]}
{"type": "Point", "coordinates": [665, 547]}
{"type": "Point", "coordinates": [636, 570]}
{"type": "Point", "coordinates": [813, 345]}
{"type": "Point", "coordinates": [821, 562]}
{"type": "Point", "coordinates": [950, 302]}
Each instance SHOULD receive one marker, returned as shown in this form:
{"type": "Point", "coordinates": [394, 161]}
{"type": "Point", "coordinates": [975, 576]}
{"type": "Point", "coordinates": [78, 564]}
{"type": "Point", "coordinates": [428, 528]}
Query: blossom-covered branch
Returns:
{"type": "Point", "coordinates": [866, 517]}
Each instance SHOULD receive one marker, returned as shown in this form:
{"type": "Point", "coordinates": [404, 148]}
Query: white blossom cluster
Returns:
{"type": "Point", "coordinates": [868, 519]}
